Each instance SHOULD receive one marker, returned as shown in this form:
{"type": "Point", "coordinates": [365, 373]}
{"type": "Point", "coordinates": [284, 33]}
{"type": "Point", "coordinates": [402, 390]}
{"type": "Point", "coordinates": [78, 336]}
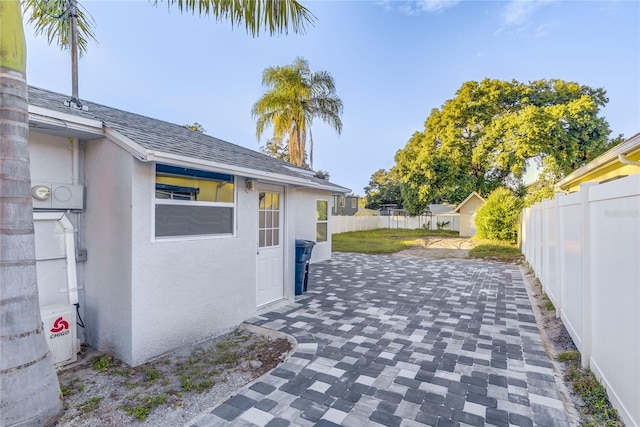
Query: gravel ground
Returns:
{"type": "Point", "coordinates": [440, 247]}
{"type": "Point", "coordinates": [169, 391]}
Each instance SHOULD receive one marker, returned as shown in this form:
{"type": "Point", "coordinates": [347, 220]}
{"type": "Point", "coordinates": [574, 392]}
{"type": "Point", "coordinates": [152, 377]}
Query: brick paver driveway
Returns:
{"type": "Point", "coordinates": [404, 342]}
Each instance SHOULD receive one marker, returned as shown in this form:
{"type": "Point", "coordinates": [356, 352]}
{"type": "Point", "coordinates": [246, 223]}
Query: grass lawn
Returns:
{"type": "Point", "coordinates": [383, 240]}
{"type": "Point", "coordinates": [496, 250]}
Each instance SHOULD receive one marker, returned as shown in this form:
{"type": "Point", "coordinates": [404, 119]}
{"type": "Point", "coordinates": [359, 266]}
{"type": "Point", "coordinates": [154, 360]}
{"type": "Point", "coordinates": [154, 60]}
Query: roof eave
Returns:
{"type": "Point", "coordinates": [145, 155]}
{"type": "Point", "coordinates": [170, 158]}
{"type": "Point", "coordinates": [474, 193]}
{"type": "Point", "coordinates": [46, 120]}
{"type": "Point", "coordinates": [629, 146]}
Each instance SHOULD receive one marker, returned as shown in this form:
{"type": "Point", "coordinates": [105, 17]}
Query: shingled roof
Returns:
{"type": "Point", "coordinates": [164, 137]}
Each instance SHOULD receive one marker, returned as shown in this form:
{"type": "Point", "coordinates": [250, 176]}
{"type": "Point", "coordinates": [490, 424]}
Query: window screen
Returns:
{"type": "Point", "coordinates": [192, 202]}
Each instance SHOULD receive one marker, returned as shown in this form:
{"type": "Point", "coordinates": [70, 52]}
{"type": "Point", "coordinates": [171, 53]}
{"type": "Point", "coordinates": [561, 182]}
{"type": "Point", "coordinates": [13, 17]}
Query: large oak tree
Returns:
{"type": "Point", "coordinates": [491, 131]}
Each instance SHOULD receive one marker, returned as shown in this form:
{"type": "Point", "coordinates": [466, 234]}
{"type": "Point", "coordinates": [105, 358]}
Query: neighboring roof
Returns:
{"type": "Point", "coordinates": [437, 209]}
{"type": "Point", "coordinates": [630, 146]}
{"type": "Point", "coordinates": [465, 201]}
{"type": "Point", "coordinates": [151, 139]}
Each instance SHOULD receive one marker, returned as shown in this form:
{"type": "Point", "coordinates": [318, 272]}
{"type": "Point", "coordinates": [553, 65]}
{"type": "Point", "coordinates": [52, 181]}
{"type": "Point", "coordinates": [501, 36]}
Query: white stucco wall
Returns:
{"type": "Point", "coordinates": [51, 158]}
{"type": "Point", "coordinates": [304, 206]}
{"type": "Point", "coordinates": [108, 218]}
{"type": "Point", "coordinates": [466, 212]}
{"type": "Point", "coordinates": [51, 162]}
{"type": "Point", "coordinates": [186, 289]}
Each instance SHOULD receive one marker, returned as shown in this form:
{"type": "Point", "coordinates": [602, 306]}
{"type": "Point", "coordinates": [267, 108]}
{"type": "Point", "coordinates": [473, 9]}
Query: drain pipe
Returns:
{"type": "Point", "coordinates": [69, 245]}
{"type": "Point", "coordinates": [623, 159]}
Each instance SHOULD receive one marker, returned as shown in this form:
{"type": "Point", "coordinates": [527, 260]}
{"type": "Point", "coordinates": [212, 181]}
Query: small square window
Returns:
{"type": "Point", "coordinates": [322, 223]}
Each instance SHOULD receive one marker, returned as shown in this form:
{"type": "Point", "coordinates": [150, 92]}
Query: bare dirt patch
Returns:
{"type": "Point", "coordinates": [437, 247]}
{"type": "Point", "coordinates": [171, 390]}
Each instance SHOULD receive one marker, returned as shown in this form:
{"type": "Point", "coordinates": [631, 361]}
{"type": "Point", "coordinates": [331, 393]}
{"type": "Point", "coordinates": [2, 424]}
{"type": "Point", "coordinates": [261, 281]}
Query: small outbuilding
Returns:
{"type": "Point", "coordinates": [467, 211]}
{"type": "Point", "coordinates": [161, 235]}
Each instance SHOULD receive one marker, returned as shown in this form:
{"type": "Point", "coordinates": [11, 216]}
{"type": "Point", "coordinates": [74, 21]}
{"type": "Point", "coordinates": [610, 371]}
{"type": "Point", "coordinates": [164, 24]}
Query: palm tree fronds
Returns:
{"type": "Point", "coordinates": [53, 19]}
{"type": "Point", "coordinates": [294, 97]}
{"type": "Point", "coordinates": [271, 16]}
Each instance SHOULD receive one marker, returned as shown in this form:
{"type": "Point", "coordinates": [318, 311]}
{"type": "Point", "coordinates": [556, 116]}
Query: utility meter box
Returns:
{"type": "Point", "coordinates": [49, 195]}
{"type": "Point", "coordinates": [60, 329]}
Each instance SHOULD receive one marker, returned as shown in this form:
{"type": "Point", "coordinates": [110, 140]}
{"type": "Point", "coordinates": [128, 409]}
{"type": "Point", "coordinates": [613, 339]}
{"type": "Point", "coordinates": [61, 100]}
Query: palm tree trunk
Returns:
{"type": "Point", "coordinates": [310, 149]}
{"type": "Point", "coordinates": [74, 52]}
{"type": "Point", "coordinates": [29, 389]}
{"type": "Point", "coordinates": [295, 154]}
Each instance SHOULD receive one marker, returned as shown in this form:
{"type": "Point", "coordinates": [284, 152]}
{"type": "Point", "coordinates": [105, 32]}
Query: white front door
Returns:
{"type": "Point", "coordinates": [270, 281]}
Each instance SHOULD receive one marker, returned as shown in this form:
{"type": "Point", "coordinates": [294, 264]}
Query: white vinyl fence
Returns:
{"type": "Point", "coordinates": [585, 250]}
{"type": "Point", "coordinates": [343, 224]}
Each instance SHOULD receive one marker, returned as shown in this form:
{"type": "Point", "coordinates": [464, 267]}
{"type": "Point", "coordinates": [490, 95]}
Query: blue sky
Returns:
{"type": "Point", "coordinates": [393, 61]}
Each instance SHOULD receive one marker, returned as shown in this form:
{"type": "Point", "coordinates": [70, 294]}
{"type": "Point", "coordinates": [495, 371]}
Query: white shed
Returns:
{"type": "Point", "coordinates": [176, 235]}
{"type": "Point", "coordinates": [467, 210]}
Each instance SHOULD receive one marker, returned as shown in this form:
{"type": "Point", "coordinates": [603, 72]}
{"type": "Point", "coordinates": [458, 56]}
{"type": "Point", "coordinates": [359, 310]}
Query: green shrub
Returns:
{"type": "Point", "coordinates": [497, 219]}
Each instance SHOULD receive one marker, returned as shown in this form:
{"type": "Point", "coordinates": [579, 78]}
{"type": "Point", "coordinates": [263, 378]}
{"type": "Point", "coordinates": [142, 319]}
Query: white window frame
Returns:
{"type": "Point", "coordinates": [174, 202]}
{"type": "Point", "coordinates": [317, 221]}
{"type": "Point", "coordinates": [280, 212]}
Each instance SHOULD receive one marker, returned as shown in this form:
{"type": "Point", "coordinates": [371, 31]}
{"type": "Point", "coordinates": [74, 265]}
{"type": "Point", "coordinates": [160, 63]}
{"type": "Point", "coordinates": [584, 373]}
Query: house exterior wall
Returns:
{"type": "Point", "coordinates": [51, 158]}
{"type": "Point", "coordinates": [108, 222]}
{"type": "Point", "coordinates": [186, 289]}
{"type": "Point", "coordinates": [616, 169]}
{"type": "Point", "coordinates": [304, 206]}
{"type": "Point", "coordinates": [466, 212]}
{"type": "Point", "coordinates": [350, 205]}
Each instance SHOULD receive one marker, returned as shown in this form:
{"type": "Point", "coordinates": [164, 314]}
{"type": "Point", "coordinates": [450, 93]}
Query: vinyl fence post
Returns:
{"type": "Point", "coordinates": [540, 243]}
{"type": "Point", "coordinates": [586, 273]}
{"type": "Point", "coordinates": [544, 271]}
{"type": "Point", "coordinates": [559, 253]}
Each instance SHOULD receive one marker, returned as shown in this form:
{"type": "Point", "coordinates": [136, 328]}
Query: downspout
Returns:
{"type": "Point", "coordinates": [623, 159]}
{"type": "Point", "coordinates": [69, 245]}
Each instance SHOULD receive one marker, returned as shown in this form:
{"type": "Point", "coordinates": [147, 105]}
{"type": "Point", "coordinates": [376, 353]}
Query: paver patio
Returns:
{"type": "Point", "coordinates": [395, 341]}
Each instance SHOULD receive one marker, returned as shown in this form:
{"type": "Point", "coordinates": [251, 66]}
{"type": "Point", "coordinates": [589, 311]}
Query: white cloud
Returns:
{"type": "Point", "coordinates": [433, 6]}
{"type": "Point", "coordinates": [519, 12]}
{"type": "Point", "coordinates": [418, 7]}
{"type": "Point", "coordinates": [385, 4]}
{"type": "Point", "coordinates": [544, 29]}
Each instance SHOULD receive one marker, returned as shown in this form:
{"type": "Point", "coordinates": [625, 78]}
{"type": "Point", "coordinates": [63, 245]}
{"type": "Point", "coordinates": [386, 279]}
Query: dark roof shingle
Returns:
{"type": "Point", "coordinates": [162, 136]}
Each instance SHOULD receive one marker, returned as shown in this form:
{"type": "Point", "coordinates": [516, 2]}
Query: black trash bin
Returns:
{"type": "Point", "coordinates": [303, 255]}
